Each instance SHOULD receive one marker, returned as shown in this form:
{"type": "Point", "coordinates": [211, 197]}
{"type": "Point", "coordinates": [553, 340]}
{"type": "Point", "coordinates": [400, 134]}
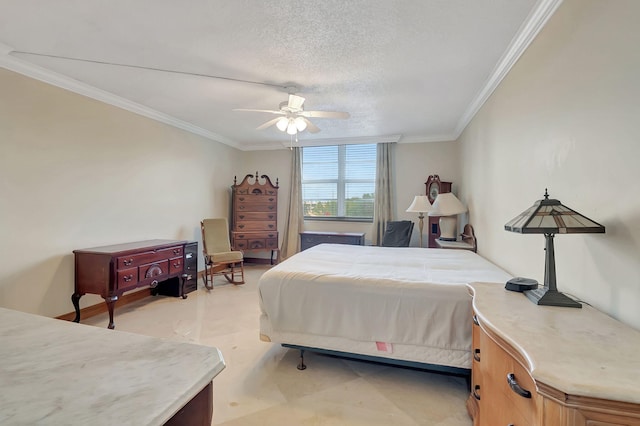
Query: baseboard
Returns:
{"type": "Point", "coordinates": [258, 260]}
{"type": "Point", "coordinates": [101, 308]}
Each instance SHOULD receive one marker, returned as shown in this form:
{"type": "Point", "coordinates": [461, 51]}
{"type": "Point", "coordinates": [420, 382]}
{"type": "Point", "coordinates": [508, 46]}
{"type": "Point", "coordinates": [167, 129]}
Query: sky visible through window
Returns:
{"type": "Point", "coordinates": [339, 181]}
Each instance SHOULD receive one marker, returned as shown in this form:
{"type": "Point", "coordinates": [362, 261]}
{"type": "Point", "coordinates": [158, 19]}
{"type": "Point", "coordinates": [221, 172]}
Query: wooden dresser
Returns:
{"type": "Point", "coordinates": [254, 224]}
{"type": "Point", "coordinates": [113, 270]}
{"type": "Point", "coordinates": [551, 366]}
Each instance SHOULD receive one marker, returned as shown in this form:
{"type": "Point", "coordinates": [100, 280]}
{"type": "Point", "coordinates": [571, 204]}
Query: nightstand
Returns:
{"type": "Point", "coordinates": [468, 241]}
{"type": "Point", "coordinates": [460, 245]}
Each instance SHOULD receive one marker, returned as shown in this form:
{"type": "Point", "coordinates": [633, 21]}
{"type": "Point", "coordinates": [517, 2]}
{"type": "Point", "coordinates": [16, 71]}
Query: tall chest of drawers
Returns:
{"type": "Point", "coordinates": [254, 224]}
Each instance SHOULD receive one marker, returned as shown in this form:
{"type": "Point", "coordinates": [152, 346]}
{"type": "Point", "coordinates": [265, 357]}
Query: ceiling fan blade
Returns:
{"type": "Point", "coordinates": [312, 128]}
{"type": "Point", "coordinates": [325, 114]}
{"type": "Point", "coordinates": [295, 102]}
{"type": "Point", "coordinates": [268, 123]}
{"type": "Point", "coordinates": [271, 111]}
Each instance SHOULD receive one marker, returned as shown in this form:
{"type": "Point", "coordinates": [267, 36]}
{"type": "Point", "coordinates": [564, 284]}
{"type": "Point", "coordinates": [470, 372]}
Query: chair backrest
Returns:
{"type": "Point", "coordinates": [397, 233]}
{"type": "Point", "coordinates": [215, 235]}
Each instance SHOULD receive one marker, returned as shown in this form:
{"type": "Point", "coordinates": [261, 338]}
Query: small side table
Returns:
{"type": "Point", "coordinates": [468, 241]}
{"type": "Point", "coordinates": [459, 245]}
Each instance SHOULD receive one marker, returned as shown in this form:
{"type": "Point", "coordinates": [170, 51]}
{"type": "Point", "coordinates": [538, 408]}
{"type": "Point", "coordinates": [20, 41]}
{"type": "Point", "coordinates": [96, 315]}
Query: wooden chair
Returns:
{"type": "Point", "coordinates": [219, 259]}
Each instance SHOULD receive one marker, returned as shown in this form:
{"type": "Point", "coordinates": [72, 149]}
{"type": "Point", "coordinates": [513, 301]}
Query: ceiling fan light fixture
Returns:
{"type": "Point", "coordinates": [291, 128]}
{"type": "Point", "coordinates": [282, 124]}
{"type": "Point", "coordinates": [300, 124]}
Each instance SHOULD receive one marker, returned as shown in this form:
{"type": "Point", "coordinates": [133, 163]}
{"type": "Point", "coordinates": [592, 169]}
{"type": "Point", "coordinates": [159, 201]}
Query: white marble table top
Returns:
{"type": "Point", "coordinates": [54, 372]}
{"type": "Point", "coordinates": [581, 352]}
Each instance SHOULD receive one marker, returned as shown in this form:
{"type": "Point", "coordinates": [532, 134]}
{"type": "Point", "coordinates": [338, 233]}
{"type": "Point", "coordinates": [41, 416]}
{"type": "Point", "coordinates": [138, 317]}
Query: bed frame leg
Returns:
{"type": "Point", "coordinates": [301, 366]}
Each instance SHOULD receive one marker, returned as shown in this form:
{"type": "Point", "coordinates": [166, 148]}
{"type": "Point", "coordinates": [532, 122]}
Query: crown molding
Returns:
{"type": "Point", "coordinates": [534, 23]}
{"type": "Point", "coordinates": [30, 70]}
{"type": "Point", "coordinates": [423, 139]}
{"type": "Point", "coordinates": [536, 20]}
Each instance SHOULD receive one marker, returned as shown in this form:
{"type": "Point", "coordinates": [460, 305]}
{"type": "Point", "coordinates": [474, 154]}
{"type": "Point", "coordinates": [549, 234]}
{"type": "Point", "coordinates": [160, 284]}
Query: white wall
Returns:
{"type": "Point", "coordinates": [566, 118]}
{"type": "Point", "coordinates": [77, 173]}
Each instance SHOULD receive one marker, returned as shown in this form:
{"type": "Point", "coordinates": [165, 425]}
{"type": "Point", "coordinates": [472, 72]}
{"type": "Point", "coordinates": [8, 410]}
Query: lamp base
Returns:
{"type": "Point", "coordinates": [544, 296]}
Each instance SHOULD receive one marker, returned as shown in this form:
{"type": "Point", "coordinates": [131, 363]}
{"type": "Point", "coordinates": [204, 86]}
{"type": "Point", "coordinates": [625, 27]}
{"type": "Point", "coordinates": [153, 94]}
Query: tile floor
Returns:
{"type": "Point", "coordinates": [261, 385]}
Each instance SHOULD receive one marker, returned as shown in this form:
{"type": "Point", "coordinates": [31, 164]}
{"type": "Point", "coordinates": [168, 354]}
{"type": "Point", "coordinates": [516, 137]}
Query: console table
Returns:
{"type": "Point", "coordinates": [309, 239]}
{"type": "Point", "coordinates": [57, 372]}
{"type": "Point", "coordinates": [549, 365]}
{"type": "Point", "coordinates": [112, 270]}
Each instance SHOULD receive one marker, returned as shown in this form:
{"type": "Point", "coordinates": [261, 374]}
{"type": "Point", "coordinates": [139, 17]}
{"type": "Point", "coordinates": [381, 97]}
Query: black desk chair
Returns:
{"type": "Point", "coordinates": [397, 234]}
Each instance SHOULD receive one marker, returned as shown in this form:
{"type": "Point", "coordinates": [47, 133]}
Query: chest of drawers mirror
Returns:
{"type": "Point", "coordinates": [550, 366]}
{"type": "Point", "coordinates": [254, 224]}
{"type": "Point", "coordinates": [110, 271]}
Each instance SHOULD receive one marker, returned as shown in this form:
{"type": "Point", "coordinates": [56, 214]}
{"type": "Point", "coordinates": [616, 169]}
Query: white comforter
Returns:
{"type": "Point", "coordinates": [378, 294]}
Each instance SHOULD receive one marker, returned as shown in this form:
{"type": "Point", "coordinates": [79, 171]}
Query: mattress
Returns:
{"type": "Point", "coordinates": [400, 303]}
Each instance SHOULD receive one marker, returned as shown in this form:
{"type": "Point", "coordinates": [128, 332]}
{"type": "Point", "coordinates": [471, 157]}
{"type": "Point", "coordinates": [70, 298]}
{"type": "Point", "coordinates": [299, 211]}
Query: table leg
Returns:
{"type": "Point", "coordinates": [184, 278]}
{"type": "Point", "coordinates": [111, 301]}
{"type": "Point", "coordinates": [75, 299]}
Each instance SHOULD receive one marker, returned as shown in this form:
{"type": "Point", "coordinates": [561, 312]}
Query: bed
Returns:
{"type": "Point", "coordinates": [407, 306]}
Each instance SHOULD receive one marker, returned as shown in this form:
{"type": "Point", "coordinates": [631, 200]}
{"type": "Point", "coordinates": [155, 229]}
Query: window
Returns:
{"type": "Point", "coordinates": [338, 182]}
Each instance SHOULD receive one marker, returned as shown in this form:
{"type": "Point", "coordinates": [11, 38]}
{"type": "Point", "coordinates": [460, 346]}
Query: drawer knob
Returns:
{"type": "Point", "coordinates": [176, 251]}
{"type": "Point", "coordinates": [127, 262]}
{"type": "Point", "coordinates": [127, 278]}
{"type": "Point", "coordinates": [241, 198]}
{"type": "Point", "coordinates": [476, 393]}
{"type": "Point", "coordinates": [476, 354]}
{"type": "Point", "coordinates": [270, 207]}
{"type": "Point", "coordinates": [513, 384]}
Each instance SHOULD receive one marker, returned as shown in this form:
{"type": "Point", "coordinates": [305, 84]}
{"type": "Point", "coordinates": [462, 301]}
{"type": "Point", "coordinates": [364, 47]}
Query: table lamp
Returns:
{"type": "Point", "coordinates": [420, 205]}
{"type": "Point", "coordinates": [550, 217]}
{"type": "Point", "coordinates": [447, 206]}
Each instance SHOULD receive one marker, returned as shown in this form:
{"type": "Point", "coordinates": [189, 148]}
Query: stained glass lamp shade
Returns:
{"type": "Point", "coordinates": [550, 217]}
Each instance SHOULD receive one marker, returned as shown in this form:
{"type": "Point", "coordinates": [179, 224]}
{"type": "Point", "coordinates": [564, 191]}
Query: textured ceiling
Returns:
{"type": "Point", "coordinates": [409, 69]}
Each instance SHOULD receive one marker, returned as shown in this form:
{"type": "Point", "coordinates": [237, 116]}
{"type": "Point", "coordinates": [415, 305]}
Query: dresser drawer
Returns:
{"type": "Point", "coordinates": [251, 198]}
{"type": "Point", "coordinates": [498, 368]}
{"type": "Point", "coordinates": [175, 265]}
{"type": "Point", "coordinates": [127, 277]}
{"type": "Point", "coordinates": [255, 216]}
{"type": "Point", "coordinates": [255, 244]}
{"type": "Point", "coordinates": [240, 244]}
{"type": "Point", "coordinates": [148, 257]}
{"type": "Point", "coordinates": [271, 243]}
{"type": "Point", "coordinates": [255, 207]}
{"type": "Point", "coordinates": [256, 226]}
{"type": "Point", "coordinates": [156, 270]}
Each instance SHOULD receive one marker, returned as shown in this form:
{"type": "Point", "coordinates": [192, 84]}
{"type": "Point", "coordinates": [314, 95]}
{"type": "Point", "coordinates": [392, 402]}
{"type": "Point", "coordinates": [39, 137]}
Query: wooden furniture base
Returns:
{"type": "Point", "coordinates": [197, 412]}
{"type": "Point", "coordinates": [110, 271]}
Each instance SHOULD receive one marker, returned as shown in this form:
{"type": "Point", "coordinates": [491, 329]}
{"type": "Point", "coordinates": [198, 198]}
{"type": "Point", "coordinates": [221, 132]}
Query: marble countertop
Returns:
{"type": "Point", "coordinates": [54, 372]}
{"type": "Point", "coordinates": [581, 352]}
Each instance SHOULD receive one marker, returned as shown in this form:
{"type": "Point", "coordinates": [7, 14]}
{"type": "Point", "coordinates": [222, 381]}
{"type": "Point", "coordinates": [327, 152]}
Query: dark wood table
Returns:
{"type": "Point", "coordinates": [113, 270]}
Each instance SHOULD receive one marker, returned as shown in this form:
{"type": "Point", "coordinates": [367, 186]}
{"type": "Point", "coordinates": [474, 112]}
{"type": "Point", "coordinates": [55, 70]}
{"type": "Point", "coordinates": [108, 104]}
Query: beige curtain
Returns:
{"type": "Point", "coordinates": [295, 214]}
{"type": "Point", "coordinates": [383, 204]}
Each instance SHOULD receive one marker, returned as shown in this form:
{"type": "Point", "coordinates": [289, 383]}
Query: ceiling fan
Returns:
{"type": "Point", "coordinates": [293, 118]}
